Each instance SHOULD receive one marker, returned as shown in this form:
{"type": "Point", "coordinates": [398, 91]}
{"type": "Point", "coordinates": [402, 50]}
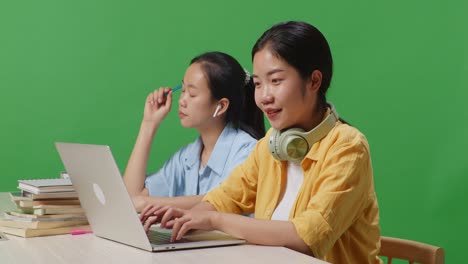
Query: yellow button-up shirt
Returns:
{"type": "Point", "coordinates": [335, 212]}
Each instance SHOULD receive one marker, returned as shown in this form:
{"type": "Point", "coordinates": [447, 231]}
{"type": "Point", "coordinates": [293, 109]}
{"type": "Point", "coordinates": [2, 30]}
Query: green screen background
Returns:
{"type": "Point", "coordinates": [80, 71]}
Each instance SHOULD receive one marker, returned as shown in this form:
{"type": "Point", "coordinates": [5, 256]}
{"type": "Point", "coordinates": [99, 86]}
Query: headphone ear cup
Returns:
{"type": "Point", "coordinates": [273, 143]}
{"type": "Point", "coordinates": [292, 144]}
{"type": "Point", "coordinates": [288, 145]}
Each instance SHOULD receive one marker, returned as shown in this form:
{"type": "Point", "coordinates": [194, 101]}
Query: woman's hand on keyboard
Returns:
{"type": "Point", "coordinates": [151, 215]}
{"type": "Point", "coordinates": [181, 221]}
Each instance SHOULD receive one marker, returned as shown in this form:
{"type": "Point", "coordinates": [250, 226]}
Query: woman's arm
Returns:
{"type": "Point", "coordinates": [144, 203]}
{"type": "Point", "coordinates": [256, 231]}
{"type": "Point", "coordinates": [135, 173]}
{"type": "Point", "coordinates": [262, 232]}
{"type": "Point", "coordinates": [157, 106]}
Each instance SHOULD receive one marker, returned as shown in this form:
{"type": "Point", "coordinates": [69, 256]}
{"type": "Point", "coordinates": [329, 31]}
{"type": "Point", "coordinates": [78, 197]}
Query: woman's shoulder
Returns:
{"type": "Point", "coordinates": [240, 137]}
{"type": "Point", "coordinates": [234, 146]}
{"type": "Point", "coordinates": [348, 131]}
{"type": "Point", "coordinates": [345, 134]}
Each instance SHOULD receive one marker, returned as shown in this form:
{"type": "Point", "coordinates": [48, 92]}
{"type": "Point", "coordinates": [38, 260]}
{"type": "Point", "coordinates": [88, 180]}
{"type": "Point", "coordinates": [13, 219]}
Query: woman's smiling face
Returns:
{"type": "Point", "coordinates": [281, 93]}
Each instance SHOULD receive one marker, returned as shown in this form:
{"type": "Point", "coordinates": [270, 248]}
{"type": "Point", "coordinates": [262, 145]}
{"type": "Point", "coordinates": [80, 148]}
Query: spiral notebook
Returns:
{"type": "Point", "coordinates": [38, 186]}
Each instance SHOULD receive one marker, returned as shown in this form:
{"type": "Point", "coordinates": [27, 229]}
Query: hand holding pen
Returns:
{"type": "Point", "coordinates": [158, 104]}
{"type": "Point", "coordinates": [178, 87]}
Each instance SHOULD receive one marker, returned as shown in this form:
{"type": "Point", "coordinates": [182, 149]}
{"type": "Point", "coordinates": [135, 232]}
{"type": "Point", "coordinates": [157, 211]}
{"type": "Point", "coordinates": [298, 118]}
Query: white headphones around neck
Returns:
{"type": "Point", "coordinates": [294, 143]}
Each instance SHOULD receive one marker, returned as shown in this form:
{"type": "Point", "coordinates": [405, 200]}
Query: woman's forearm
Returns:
{"type": "Point", "coordinates": [183, 202]}
{"type": "Point", "coordinates": [203, 206]}
{"type": "Point", "coordinates": [135, 173]}
{"type": "Point", "coordinates": [262, 232]}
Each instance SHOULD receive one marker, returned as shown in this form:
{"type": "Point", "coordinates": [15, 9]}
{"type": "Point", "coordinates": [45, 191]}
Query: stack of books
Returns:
{"type": "Point", "coordinates": [44, 207]}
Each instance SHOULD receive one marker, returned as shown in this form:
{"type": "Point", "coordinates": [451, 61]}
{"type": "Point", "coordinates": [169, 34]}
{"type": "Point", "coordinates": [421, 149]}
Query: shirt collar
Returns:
{"type": "Point", "coordinates": [193, 158]}
{"type": "Point", "coordinates": [222, 148]}
{"type": "Point", "coordinates": [218, 157]}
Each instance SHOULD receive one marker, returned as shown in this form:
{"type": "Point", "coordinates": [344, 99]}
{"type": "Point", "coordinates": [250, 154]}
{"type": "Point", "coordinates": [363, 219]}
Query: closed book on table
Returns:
{"type": "Point", "coordinates": [40, 217]}
{"type": "Point", "coordinates": [29, 232]}
{"type": "Point", "coordinates": [31, 203]}
{"type": "Point", "coordinates": [19, 196]}
{"type": "Point", "coordinates": [40, 224]}
{"type": "Point", "coordinates": [37, 186]}
{"type": "Point", "coordinates": [52, 209]}
{"type": "Point", "coordinates": [56, 209]}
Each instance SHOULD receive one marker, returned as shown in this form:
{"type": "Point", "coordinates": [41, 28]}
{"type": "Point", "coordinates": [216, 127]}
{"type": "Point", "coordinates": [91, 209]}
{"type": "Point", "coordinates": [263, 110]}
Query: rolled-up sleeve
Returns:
{"type": "Point", "coordinates": [339, 196]}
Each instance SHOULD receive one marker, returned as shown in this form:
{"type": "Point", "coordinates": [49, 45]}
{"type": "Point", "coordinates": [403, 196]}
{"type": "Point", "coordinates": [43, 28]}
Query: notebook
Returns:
{"type": "Point", "coordinates": [27, 196]}
{"type": "Point", "coordinates": [109, 208]}
{"type": "Point", "coordinates": [46, 185]}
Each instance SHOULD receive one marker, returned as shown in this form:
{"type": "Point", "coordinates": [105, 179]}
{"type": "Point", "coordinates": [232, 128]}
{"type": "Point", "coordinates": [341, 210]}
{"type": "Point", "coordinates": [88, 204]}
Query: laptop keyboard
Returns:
{"type": "Point", "coordinates": [159, 236]}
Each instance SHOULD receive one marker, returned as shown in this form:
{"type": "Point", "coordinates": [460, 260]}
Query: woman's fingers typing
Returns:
{"type": "Point", "coordinates": [149, 222]}
{"type": "Point", "coordinates": [179, 220]}
{"type": "Point", "coordinates": [169, 214]}
{"type": "Point", "coordinates": [145, 212]}
{"type": "Point", "coordinates": [178, 223]}
{"type": "Point", "coordinates": [184, 228]}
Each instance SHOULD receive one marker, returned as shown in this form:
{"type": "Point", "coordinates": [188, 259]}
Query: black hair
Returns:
{"type": "Point", "coordinates": [303, 47]}
{"type": "Point", "coordinates": [227, 79]}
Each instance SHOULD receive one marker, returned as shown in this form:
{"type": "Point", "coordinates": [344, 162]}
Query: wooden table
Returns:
{"type": "Point", "coordinates": [91, 249]}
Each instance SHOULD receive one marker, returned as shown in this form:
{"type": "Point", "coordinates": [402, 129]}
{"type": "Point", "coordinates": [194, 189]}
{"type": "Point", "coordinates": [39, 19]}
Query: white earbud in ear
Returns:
{"type": "Point", "coordinates": [217, 110]}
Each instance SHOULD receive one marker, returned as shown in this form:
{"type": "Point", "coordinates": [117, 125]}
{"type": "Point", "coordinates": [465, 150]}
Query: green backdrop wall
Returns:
{"type": "Point", "coordinates": [80, 71]}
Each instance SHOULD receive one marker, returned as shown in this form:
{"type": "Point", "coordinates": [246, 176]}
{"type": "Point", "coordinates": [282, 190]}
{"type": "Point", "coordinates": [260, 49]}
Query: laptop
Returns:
{"type": "Point", "coordinates": [109, 208]}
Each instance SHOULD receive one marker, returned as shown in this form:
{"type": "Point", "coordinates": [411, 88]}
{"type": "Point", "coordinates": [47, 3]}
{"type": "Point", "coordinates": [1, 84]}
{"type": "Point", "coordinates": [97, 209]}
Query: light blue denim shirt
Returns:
{"type": "Point", "coordinates": [180, 174]}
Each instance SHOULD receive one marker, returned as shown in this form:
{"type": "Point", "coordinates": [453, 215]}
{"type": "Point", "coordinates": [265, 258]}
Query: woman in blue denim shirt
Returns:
{"type": "Point", "coordinates": [218, 100]}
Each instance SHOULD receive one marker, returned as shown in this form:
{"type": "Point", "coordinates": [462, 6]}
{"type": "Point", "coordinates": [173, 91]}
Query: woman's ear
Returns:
{"type": "Point", "coordinates": [221, 107]}
{"type": "Point", "coordinates": [315, 81]}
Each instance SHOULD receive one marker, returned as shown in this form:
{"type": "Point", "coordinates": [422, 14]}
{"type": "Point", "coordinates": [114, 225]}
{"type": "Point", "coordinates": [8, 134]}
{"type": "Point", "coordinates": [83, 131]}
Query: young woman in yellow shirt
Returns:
{"type": "Point", "coordinates": [309, 180]}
